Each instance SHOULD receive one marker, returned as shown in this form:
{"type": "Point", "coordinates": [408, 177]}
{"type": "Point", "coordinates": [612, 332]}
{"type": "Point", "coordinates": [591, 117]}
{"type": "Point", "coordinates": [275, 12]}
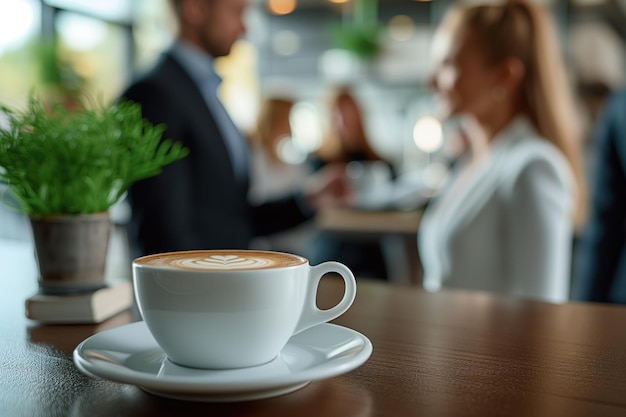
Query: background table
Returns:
{"type": "Point", "coordinates": [444, 354]}
{"type": "Point", "coordinates": [396, 231]}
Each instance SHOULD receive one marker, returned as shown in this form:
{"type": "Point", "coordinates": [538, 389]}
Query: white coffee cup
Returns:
{"type": "Point", "coordinates": [225, 309]}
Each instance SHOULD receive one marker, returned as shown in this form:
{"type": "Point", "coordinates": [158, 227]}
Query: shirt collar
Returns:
{"type": "Point", "coordinates": [198, 64]}
{"type": "Point", "coordinates": [519, 128]}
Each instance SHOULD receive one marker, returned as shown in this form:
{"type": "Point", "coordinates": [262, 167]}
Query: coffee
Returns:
{"type": "Point", "coordinates": [216, 260]}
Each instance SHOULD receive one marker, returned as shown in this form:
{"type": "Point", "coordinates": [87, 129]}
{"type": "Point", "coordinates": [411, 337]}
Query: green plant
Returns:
{"type": "Point", "coordinates": [360, 34]}
{"type": "Point", "coordinates": [60, 161]}
{"type": "Point", "coordinates": [360, 40]}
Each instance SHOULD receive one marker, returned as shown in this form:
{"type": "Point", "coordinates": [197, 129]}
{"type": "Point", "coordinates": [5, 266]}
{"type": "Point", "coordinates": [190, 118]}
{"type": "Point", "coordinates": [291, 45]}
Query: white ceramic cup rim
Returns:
{"type": "Point", "coordinates": [136, 262]}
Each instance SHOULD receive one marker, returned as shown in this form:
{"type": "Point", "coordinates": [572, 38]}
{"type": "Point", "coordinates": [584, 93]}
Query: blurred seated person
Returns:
{"type": "Point", "coordinates": [277, 167]}
{"type": "Point", "coordinates": [346, 139]}
{"type": "Point", "coordinates": [601, 276]}
{"type": "Point", "coordinates": [346, 142]}
{"type": "Point", "coordinates": [504, 221]}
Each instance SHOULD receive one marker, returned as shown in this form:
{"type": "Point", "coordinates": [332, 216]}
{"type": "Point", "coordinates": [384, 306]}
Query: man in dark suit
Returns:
{"type": "Point", "coordinates": [602, 270]}
{"type": "Point", "coordinates": [200, 202]}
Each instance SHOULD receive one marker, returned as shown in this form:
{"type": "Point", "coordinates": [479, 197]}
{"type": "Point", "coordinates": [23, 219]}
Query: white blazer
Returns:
{"type": "Point", "coordinates": [504, 226]}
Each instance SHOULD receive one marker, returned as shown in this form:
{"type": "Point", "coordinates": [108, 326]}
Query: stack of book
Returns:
{"type": "Point", "coordinates": [91, 307]}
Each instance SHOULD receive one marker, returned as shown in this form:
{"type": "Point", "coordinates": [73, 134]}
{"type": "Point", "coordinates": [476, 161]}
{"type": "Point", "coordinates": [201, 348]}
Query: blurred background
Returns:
{"type": "Point", "coordinates": [298, 48]}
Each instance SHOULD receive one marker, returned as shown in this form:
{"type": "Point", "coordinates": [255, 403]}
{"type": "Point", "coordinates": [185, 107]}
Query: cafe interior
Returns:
{"type": "Point", "coordinates": [437, 353]}
{"type": "Point", "coordinates": [291, 50]}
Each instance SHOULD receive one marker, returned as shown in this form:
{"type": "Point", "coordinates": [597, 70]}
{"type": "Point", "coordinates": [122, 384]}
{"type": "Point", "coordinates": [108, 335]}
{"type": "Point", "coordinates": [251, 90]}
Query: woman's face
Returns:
{"type": "Point", "coordinates": [462, 80]}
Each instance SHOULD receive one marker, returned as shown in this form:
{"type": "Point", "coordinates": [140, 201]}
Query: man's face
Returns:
{"type": "Point", "coordinates": [217, 24]}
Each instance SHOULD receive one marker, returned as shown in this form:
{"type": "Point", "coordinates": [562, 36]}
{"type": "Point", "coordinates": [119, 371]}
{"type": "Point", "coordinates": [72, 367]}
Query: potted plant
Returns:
{"type": "Point", "coordinates": [65, 169]}
{"type": "Point", "coordinates": [361, 34]}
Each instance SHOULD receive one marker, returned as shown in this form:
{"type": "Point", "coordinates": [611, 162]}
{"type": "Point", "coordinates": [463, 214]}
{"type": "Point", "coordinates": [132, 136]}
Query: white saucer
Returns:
{"type": "Point", "coordinates": [129, 354]}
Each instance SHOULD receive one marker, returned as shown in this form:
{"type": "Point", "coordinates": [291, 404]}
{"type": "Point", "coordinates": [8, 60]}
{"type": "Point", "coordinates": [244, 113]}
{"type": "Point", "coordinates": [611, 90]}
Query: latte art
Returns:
{"type": "Point", "coordinates": [222, 260]}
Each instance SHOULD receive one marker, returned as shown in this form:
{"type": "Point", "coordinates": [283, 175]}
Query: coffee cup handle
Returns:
{"type": "Point", "coordinates": [311, 314]}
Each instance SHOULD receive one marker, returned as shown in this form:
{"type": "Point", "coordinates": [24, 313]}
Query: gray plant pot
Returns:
{"type": "Point", "coordinates": [71, 252]}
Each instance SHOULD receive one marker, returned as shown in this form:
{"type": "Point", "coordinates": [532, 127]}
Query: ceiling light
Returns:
{"type": "Point", "coordinates": [281, 7]}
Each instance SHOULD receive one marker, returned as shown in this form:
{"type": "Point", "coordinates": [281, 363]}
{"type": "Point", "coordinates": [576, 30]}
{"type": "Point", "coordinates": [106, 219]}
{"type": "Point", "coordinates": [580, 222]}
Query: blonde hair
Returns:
{"type": "Point", "coordinates": [523, 30]}
{"type": "Point", "coordinates": [273, 112]}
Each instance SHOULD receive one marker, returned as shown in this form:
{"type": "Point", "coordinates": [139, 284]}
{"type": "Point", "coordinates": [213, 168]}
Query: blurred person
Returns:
{"type": "Point", "coordinates": [274, 173]}
{"type": "Point", "coordinates": [601, 273]}
{"type": "Point", "coordinates": [271, 146]}
{"type": "Point", "coordinates": [346, 139]}
{"type": "Point", "coordinates": [346, 142]}
{"type": "Point", "coordinates": [598, 61]}
{"type": "Point", "coordinates": [504, 221]}
{"type": "Point", "coordinates": [200, 202]}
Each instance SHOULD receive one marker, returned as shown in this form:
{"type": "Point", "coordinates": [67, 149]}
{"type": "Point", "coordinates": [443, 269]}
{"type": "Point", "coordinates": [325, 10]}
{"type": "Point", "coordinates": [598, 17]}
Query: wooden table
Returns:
{"type": "Point", "coordinates": [395, 230]}
{"type": "Point", "coordinates": [445, 354]}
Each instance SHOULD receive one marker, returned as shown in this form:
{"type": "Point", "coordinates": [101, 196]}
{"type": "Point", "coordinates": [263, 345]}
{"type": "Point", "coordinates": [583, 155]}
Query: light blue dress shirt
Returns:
{"type": "Point", "coordinates": [199, 65]}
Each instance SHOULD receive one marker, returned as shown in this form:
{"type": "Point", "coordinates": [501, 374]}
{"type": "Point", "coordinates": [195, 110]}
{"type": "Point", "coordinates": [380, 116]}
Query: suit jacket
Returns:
{"type": "Point", "coordinates": [601, 273]}
{"type": "Point", "coordinates": [503, 225]}
{"type": "Point", "coordinates": [196, 202]}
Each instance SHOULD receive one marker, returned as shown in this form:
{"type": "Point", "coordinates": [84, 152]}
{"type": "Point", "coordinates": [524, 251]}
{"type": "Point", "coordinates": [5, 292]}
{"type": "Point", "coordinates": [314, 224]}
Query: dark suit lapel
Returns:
{"type": "Point", "coordinates": [203, 121]}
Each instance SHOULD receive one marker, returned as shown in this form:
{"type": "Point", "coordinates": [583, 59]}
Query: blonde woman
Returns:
{"type": "Point", "coordinates": [272, 175]}
{"type": "Point", "coordinates": [504, 221]}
